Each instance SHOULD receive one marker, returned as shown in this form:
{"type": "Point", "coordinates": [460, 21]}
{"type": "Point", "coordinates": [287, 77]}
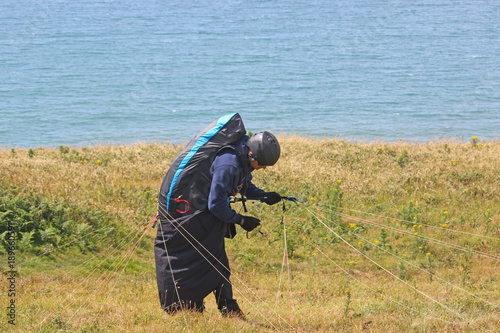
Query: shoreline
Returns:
{"type": "Point", "coordinates": [358, 141]}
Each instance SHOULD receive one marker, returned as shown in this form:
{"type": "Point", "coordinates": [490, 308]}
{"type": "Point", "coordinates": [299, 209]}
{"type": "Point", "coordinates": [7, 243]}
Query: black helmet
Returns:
{"type": "Point", "coordinates": [265, 148]}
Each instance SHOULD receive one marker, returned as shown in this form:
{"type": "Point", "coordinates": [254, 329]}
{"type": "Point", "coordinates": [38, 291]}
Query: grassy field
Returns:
{"type": "Point", "coordinates": [391, 237]}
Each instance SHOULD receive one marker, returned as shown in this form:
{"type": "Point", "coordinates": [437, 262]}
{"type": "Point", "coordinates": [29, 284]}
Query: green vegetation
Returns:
{"type": "Point", "coordinates": [44, 225]}
{"type": "Point", "coordinates": [390, 237]}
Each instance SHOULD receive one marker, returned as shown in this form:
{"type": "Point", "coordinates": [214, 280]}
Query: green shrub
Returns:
{"type": "Point", "coordinates": [41, 225]}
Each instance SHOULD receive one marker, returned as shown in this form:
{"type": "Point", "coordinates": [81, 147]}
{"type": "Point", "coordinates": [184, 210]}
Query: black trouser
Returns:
{"type": "Point", "coordinates": [224, 296]}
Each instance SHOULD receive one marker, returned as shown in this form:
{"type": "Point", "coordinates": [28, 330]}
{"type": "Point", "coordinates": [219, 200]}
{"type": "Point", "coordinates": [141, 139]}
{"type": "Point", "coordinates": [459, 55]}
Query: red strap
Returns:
{"type": "Point", "coordinates": [182, 211]}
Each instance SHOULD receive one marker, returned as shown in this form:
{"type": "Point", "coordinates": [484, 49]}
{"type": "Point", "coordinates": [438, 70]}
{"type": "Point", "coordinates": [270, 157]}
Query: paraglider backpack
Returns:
{"type": "Point", "coordinates": [186, 186]}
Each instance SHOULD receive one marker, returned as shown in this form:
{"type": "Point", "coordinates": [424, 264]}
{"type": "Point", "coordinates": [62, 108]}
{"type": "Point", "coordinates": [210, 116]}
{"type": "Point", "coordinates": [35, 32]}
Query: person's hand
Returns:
{"type": "Point", "coordinates": [249, 223]}
{"type": "Point", "coordinates": [271, 198]}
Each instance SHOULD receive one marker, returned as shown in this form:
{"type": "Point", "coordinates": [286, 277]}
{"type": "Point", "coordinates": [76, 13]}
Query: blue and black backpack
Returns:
{"type": "Point", "coordinates": [186, 187]}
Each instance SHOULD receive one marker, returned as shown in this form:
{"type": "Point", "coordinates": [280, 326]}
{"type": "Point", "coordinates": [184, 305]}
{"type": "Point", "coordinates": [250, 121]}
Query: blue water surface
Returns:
{"type": "Point", "coordinates": [92, 72]}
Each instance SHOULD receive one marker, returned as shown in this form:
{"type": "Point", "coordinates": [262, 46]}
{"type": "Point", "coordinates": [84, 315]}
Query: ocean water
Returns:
{"type": "Point", "coordinates": [88, 72]}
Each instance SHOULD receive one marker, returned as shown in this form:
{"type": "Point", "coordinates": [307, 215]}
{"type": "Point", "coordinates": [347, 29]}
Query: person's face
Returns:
{"type": "Point", "coordinates": [256, 165]}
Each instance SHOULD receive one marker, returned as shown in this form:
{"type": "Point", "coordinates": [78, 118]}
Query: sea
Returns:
{"type": "Point", "coordinates": [91, 72]}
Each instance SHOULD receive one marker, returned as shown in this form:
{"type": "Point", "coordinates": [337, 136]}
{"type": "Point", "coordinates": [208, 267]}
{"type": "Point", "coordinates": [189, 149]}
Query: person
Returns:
{"type": "Point", "coordinates": [191, 260]}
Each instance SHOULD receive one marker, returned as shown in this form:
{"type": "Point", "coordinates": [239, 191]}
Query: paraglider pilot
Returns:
{"type": "Point", "coordinates": [191, 260]}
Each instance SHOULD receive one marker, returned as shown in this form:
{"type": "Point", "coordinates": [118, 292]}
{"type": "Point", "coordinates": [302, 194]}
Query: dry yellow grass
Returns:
{"type": "Point", "coordinates": [445, 190]}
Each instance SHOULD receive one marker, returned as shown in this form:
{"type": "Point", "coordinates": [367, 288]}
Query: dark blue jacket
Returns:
{"type": "Point", "coordinates": [231, 175]}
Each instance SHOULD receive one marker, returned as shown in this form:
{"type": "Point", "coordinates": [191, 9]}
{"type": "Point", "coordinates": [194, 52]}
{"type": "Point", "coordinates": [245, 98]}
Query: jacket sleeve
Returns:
{"type": "Point", "coordinates": [225, 176]}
